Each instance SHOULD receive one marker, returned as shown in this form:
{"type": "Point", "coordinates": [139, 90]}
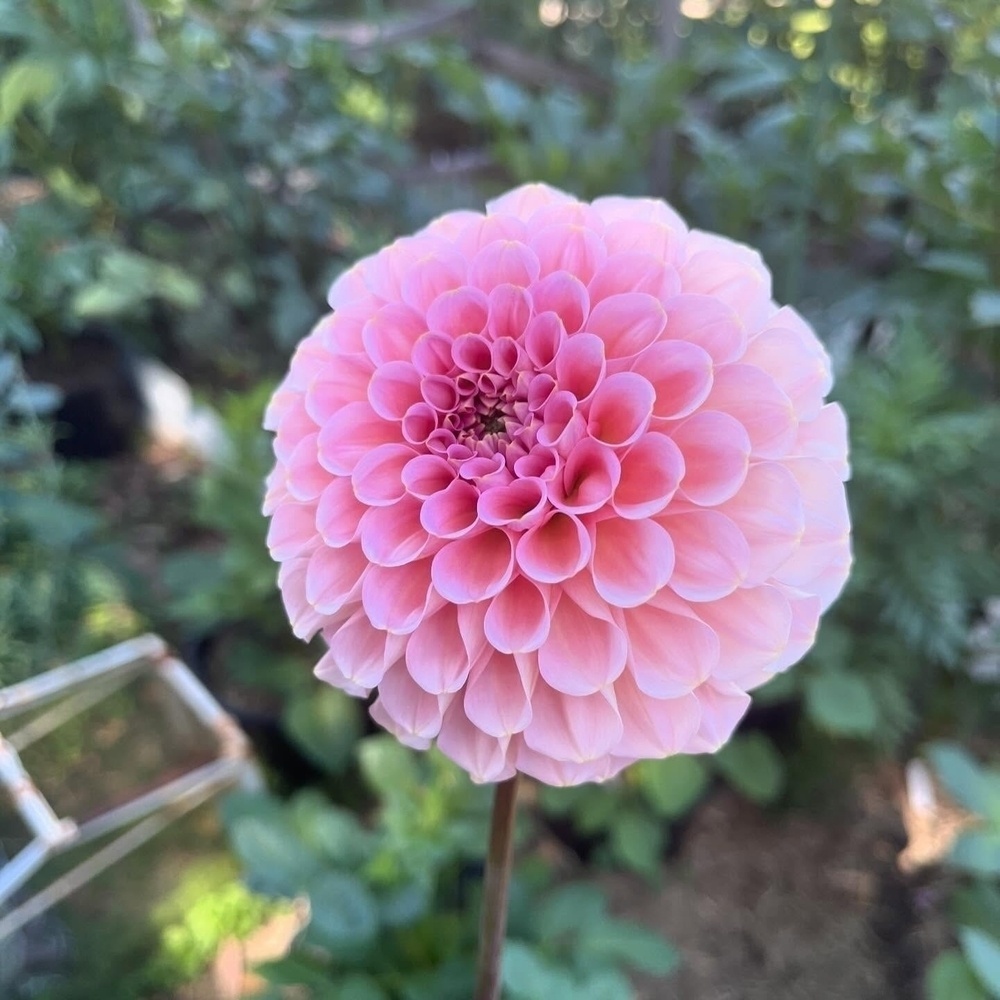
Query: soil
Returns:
{"type": "Point", "coordinates": [792, 906]}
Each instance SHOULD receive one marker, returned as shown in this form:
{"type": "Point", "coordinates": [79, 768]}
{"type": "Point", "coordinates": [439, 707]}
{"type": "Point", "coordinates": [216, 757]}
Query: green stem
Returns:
{"type": "Point", "coordinates": [499, 858]}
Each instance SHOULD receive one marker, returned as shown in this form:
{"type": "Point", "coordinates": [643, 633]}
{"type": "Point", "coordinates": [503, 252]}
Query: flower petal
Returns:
{"type": "Point", "coordinates": [716, 450]}
{"type": "Point", "coordinates": [712, 557]}
{"type": "Point", "coordinates": [518, 618]}
{"type": "Point", "coordinates": [627, 323]}
{"type": "Point", "coordinates": [632, 560]}
{"type": "Point", "coordinates": [650, 474]}
{"type": "Point", "coordinates": [554, 550]}
{"type": "Point", "coordinates": [497, 700]}
{"type": "Point", "coordinates": [475, 567]}
{"type": "Point", "coordinates": [436, 656]}
{"type": "Point", "coordinates": [569, 728]}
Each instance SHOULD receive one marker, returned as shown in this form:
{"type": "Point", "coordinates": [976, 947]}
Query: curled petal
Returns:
{"type": "Point", "coordinates": [711, 555]}
{"type": "Point", "coordinates": [627, 323]}
{"type": "Point", "coordinates": [634, 271]}
{"type": "Point", "coordinates": [461, 310]}
{"type": "Point", "coordinates": [393, 389]}
{"type": "Point", "coordinates": [681, 375]}
{"type": "Point", "coordinates": [432, 354]}
{"type": "Point", "coordinates": [569, 728]}
{"type": "Point", "coordinates": [350, 434]}
{"type": "Point", "coordinates": [292, 530]}
{"type": "Point", "coordinates": [518, 619]}
{"type": "Point", "coordinates": [580, 366]}
{"type": "Point", "coordinates": [339, 514]}
{"type": "Point", "coordinates": [554, 550]}
{"type": "Point", "coordinates": [632, 560]}
{"type": "Point", "coordinates": [397, 598]}
{"type": "Point", "coordinates": [414, 712]}
{"type": "Point", "coordinates": [436, 656]}
{"type": "Point", "coordinates": [419, 423]}
{"type": "Point", "coordinates": [333, 577]}
{"type": "Point", "coordinates": [582, 653]}
{"type": "Point", "coordinates": [451, 512]}
{"type": "Point", "coordinates": [707, 323]}
{"type": "Point", "coordinates": [392, 536]}
{"type": "Point", "coordinates": [716, 450]}
{"type": "Point", "coordinates": [503, 262]}
{"type": "Point", "coordinates": [588, 479]}
{"type": "Point", "coordinates": [518, 505]}
{"type": "Point", "coordinates": [484, 757]}
{"type": "Point", "coordinates": [754, 399]}
{"type": "Point", "coordinates": [509, 311]}
{"type": "Point", "coordinates": [378, 478]}
{"type": "Point", "coordinates": [621, 408]}
{"type": "Point", "coordinates": [654, 727]}
{"type": "Point", "coordinates": [426, 475]}
{"type": "Point", "coordinates": [651, 471]}
{"type": "Point", "coordinates": [362, 653]}
{"type": "Point", "coordinates": [475, 567]}
{"type": "Point", "coordinates": [498, 697]}
{"type": "Point", "coordinates": [544, 337]}
{"type": "Point", "coordinates": [565, 295]}
{"type": "Point", "coordinates": [566, 247]}
{"type": "Point", "coordinates": [722, 706]}
{"type": "Point", "coordinates": [391, 333]}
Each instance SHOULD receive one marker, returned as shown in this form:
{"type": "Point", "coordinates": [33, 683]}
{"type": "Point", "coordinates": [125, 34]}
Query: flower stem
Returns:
{"type": "Point", "coordinates": [499, 858]}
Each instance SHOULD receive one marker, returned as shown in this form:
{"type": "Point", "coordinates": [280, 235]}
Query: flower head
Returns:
{"type": "Point", "coordinates": [559, 482]}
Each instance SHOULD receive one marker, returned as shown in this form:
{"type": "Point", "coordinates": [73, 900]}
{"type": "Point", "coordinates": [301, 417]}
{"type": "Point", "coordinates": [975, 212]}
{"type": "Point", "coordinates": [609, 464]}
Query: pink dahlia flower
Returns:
{"type": "Point", "coordinates": [559, 482]}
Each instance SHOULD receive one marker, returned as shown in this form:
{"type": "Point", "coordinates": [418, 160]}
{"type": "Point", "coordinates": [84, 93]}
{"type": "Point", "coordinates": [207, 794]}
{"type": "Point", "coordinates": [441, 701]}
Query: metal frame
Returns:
{"type": "Point", "coordinates": [82, 684]}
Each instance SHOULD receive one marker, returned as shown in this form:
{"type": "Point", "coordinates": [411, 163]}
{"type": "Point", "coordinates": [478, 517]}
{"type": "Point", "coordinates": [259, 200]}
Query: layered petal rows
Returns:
{"type": "Point", "coordinates": [559, 481]}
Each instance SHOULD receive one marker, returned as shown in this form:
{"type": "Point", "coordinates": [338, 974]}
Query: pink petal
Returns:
{"type": "Point", "coordinates": [350, 434]}
{"type": "Point", "coordinates": [306, 478]}
{"type": "Point", "coordinates": [806, 610]}
{"type": "Point", "coordinates": [462, 310]}
{"type": "Point", "coordinates": [518, 617]}
{"type": "Point", "coordinates": [430, 277]}
{"type": "Point", "coordinates": [588, 479]}
{"type": "Point", "coordinates": [708, 323]}
{"type": "Point", "coordinates": [568, 248]}
{"type": "Point", "coordinates": [414, 711]}
{"type": "Point", "coordinates": [518, 505]}
{"type": "Point", "coordinates": [632, 561]}
{"type": "Point", "coordinates": [568, 728]}
{"type": "Point", "coordinates": [768, 511]}
{"type": "Point", "coordinates": [333, 577]}
{"type": "Point", "coordinates": [554, 550]}
{"type": "Point", "coordinates": [563, 773]}
{"type": "Point", "coordinates": [391, 333]}
{"type": "Point", "coordinates": [825, 438]}
{"type": "Point", "coordinates": [621, 408]}
{"type": "Point", "coordinates": [716, 450]}
{"type": "Point", "coordinates": [451, 512]}
{"type": "Point", "coordinates": [306, 621]}
{"type": "Point", "coordinates": [503, 262]}
{"type": "Point", "coordinates": [432, 354]}
{"type": "Point", "coordinates": [681, 375]}
{"type": "Point", "coordinates": [484, 757]}
{"type": "Point", "coordinates": [436, 656]}
{"type": "Point", "coordinates": [522, 202]}
{"type": "Point", "coordinates": [581, 654]}
{"type": "Point", "coordinates": [419, 423]}
{"type": "Point", "coordinates": [472, 353]}
{"type": "Point", "coordinates": [507, 356]}
{"type": "Point", "coordinates": [329, 671]}
{"type": "Point", "coordinates": [485, 229]}
{"type": "Point", "coordinates": [650, 473]}
{"type": "Point", "coordinates": [634, 271]}
{"type": "Point", "coordinates": [363, 653]}
{"type": "Point", "coordinates": [580, 365]}
{"type": "Point", "coordinates": [392, 536]}
{"type": "Point", "coordinates": [295, 425]}
{"type": "Point", "coordinates": [475, 567]}
{"type": "Point", "coordinates": [425, 475]}
{"type": "Point", "coordinates": [510, 310]}
{"type": "Point", "coordinates": [565, 295]}
{"type": "Point", "coordinates": [378, 478]}
{"type": "Point", "coordinates": [615, 208]}
{"type": "Point", "coordinates": [792, 355]}
{"type": "Point", "coordinates": [381, 716]}
{"type": "Point", "coordinates": [712, 557]}
{"type": "Point", "coordinates": [393, 389]}
{"type": "Point", "coordinates": [671, 651]}
{"type": "Point", "coordinates": [292, 530]}
{"type": "Point", "coordinates": [348, 285]}
{"type": "Point", "coordinates": [654, 727]}
{"type": "Point", "coordinates": [544, 337]}
{"type": "Point", "coordinates": [627, 323]}
{"type": "Point", "coordinates": [729, 271]}
{"type": "Point", "coordinates": [396, 598]}
{"type": "Point", "coordinates": [645, 236]}
{"type": "Point", "coordinates": [562, 424]}
{"type": "Point", "coordinates": [722, 706]}
{"type": "Point", "coordinates": [753, 625]}
{"type": "Point", "coordinates": [754, 399]}
{"type": "Point", "coordinates": [497, 700]}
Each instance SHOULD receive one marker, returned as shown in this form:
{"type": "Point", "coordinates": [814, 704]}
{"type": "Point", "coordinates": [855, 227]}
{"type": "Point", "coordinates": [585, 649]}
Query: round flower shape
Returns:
{"type": "Point", "coordinates": [558, 481]}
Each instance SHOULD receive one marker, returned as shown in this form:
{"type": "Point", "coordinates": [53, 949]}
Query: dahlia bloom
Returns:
{"type": "Point", "coordinates": [559, 482]}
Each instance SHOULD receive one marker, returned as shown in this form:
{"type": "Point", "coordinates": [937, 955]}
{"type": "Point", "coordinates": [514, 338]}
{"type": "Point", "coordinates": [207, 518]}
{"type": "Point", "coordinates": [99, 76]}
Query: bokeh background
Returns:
{"type": "Point", "coordinates": [179, 183]}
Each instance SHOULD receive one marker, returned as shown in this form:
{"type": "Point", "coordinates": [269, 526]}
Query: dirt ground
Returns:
{"type": "Point", "coordinates": [792, 906]}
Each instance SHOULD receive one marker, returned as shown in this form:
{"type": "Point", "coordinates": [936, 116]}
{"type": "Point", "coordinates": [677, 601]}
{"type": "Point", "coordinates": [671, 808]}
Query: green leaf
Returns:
{"type": "Point", "coordinates": [405, 905]}
{"type": "Point", "coordinates": [570, 908]}
{"type": "Point", "coordinates": [27, 81]}
{"type": "Point", "coordinates": [753, 767]}
{"type": "Point", "coordinates": [967, 781]}
{"type": "Point", "coordinates": [671, 786]}
{"type": "Point", "coordinates": [977, 852]}
{"type": "Point", "coordinates": [950, 978]}
{"type": "Point", "coordinates": [388, 767]}
{"type": "Point", "coordinates": [277, 861]}
{"type": "Point", "coordinates": [982, 951]}
{"type": "Point", "coordinates": [637, 840]}
{"type": "Point", "coordinates": [325, 724]}
{"type": "Point", "coordinates": [841, 703]}
{"type": "Point", "coordinates": [359, 988]}
{"type": "Point", "coordinates": [608, 984]}
{"type": "Point", "coordinates": [344, 914]}
{"type": "Point", "coordinates": [984, 307]}
{"type": "Point", "coordinates": [530, 977]}
{"type": "Point", "coordinates": [622, 942]}
{"type": "Point", "coordinates": [333, 833]}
